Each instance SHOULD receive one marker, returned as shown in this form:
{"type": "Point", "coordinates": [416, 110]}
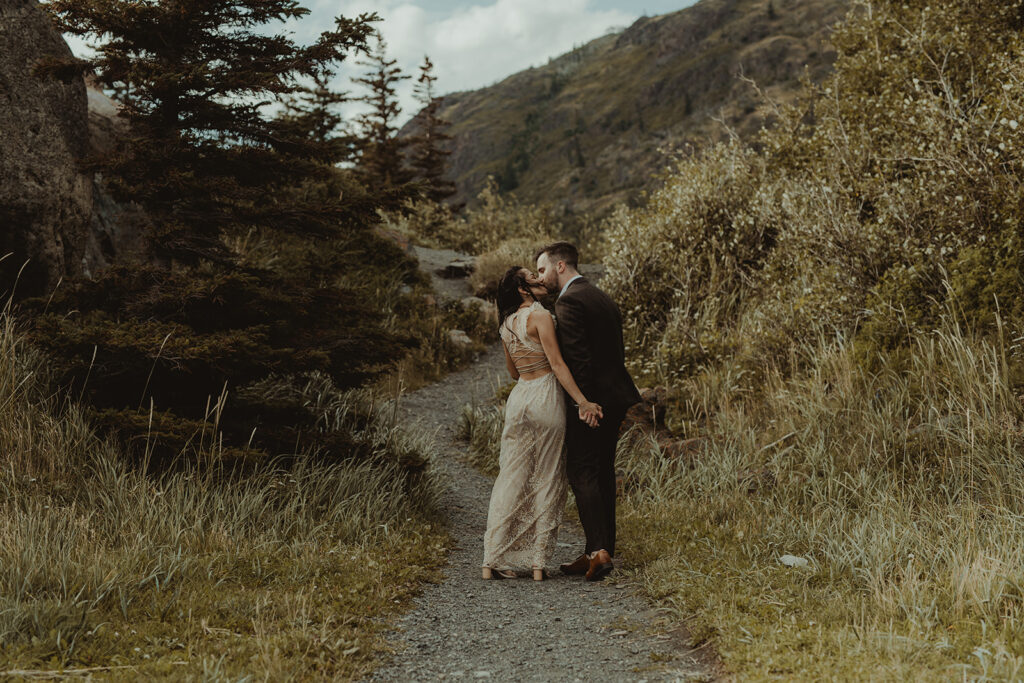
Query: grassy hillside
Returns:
{"type": "Point", "coordinates": [585, 130]}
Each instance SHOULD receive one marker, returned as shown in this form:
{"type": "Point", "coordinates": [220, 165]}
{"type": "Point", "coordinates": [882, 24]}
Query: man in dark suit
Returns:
{"type": "Point", "coordinates": [589, 328]}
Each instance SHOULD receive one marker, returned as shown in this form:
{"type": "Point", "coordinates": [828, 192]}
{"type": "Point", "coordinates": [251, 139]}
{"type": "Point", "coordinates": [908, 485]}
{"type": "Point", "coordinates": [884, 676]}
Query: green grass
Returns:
{"type": "Point", "coordinates": [287, 572]}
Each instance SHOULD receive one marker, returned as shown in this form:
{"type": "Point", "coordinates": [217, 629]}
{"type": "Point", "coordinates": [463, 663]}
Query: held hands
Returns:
{"type": "Point", "coordinates": [590, 413]}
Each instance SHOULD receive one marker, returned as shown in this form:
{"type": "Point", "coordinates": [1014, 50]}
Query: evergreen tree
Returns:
{"type": "Point", "coordinates": [428, 154]}
{"type": "Point", "coordinates": [382, 159]}
{"type": "Point", "coordinates": [314, 113]}
{"type": "Point", "coordinates": [150, 347]}
{"type": "Point", "coordinates": [204, 160]}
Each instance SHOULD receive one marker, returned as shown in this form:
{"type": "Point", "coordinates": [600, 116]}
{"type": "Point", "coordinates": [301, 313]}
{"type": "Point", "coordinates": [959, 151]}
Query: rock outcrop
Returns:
{"type": "Point", "coordinates": [56, 218]}
{"type": "Point", "coordinates": [46, 199]}
{"type": "Point", "coordinates": [105, 126]}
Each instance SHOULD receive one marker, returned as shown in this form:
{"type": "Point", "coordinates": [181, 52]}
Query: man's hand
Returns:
{"type": "Point", "coordinates": [590, 413]}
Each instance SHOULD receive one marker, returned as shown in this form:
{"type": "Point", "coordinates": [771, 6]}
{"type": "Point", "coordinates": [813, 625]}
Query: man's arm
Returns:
{"type": "Point", "coordinates": [572, 336]}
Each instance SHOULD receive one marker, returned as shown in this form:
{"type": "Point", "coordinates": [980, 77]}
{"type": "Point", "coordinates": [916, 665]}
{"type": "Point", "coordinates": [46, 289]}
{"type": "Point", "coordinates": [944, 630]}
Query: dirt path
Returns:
{"type": "Point", "coordinates": [563, 629]}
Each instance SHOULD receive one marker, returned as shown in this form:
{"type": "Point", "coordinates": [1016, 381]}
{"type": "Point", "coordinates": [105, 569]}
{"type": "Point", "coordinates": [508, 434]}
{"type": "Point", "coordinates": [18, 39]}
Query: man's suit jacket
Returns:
{"type": "Point", "coordinates": [590, 337]}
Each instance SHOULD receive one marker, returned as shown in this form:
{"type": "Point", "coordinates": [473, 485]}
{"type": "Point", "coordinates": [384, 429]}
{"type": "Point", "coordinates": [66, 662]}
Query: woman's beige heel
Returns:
{"type": "Point", "coordinates": [539, 574]}
{"type": "Point", "coordinates": [489, 574]}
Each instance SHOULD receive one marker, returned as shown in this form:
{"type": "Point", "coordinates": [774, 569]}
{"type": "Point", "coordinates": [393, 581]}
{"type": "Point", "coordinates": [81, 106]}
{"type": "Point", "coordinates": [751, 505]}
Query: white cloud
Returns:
{"type": "Point", "coordinates": [485, 43]}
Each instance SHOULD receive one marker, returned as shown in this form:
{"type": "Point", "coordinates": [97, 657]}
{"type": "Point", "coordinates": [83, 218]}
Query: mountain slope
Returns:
{"type": "Point", "coordinates": [585, 130]}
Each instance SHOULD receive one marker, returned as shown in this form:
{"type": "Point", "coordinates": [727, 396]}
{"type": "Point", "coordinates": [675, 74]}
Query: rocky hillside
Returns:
{"type": "Point", "coordinates": [585, 130]}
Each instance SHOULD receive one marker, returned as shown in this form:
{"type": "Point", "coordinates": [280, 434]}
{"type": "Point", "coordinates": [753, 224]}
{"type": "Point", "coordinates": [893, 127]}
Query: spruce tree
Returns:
{"type": "Point", "coordinates": [428, 154]}
{"type": "Point", "coordinates": [314, 113]}
{"type": "Point", "coordinates": [382, 158]}
{"type": "Point", "coordinates": [150, 347]}
{"type": "Point", "coordinates": [204, 159]}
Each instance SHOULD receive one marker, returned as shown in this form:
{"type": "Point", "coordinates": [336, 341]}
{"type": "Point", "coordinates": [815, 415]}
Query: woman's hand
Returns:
{"type": "Point", "coordinates": [590, 413]}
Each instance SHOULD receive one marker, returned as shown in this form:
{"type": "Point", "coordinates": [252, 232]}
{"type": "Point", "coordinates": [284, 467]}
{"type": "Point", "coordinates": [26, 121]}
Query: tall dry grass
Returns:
{"type": "Point", "coordinates": [282, 572]}
{"type": "Point", "coordinates": [481, 426]}
{"type": "Point", "coordinates": [903, 488]}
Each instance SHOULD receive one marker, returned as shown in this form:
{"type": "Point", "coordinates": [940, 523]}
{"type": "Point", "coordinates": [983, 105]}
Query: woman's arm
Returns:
{"type": "Point", "coordinates": [545, 328]}
{"type": "Point", "coordinates": [509, 363]}
{"type": "Point", "coordinates": [572, 330]}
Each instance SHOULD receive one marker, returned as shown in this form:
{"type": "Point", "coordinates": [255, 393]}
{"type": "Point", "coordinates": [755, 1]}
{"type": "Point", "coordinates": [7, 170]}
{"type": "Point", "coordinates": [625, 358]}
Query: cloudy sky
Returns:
{"type": "Point", "coordinates": [474, 43]}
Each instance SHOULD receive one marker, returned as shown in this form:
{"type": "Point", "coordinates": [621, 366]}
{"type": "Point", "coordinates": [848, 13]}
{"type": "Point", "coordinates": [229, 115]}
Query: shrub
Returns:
{"type": "Point", "coordinates": [491, 265]}
{"type": "Point", "coordinates": [680, 267]}
{"type": "Point", "coordinates": [901, 170]}
{"type": "Point", "coordinates": [495, 219]}
{"type": "Point", "coordinates": [144, 344]}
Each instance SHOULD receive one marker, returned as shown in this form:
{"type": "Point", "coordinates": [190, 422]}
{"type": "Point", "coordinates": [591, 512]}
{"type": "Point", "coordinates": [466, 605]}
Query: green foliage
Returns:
{"type": "Point", "coordinates": [203, 159]}
{"type": "Point", "coordinates": [314, 113]}
{"type": "Point", "coordinates": [899, 173]}
{"type": "Point", "coordinates": [227, 325]}
{"type": "Point", "coordinates": [144, 342]}
{"type": "Point", "coordinates": [987, 279]}
{"type": "Point", "coordinates": [269, 266]}
{"type": "Point", "coordinates": [681, 266]}
{"type": "Point", "coordinates": [915, 154]}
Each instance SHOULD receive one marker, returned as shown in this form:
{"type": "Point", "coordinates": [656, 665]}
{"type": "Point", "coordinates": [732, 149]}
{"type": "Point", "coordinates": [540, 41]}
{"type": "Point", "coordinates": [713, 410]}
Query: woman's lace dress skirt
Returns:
{"type": "Point", "coordinates": [529, 494]}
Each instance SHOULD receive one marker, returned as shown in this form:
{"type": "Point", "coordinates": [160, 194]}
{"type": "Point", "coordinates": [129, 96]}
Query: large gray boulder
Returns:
{"type": "Point", "coordinates": [46, 200]}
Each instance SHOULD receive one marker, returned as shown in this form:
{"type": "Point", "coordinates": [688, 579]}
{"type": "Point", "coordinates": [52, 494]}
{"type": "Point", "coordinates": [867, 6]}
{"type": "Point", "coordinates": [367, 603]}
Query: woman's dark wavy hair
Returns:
{"type": "Point", "coordinates": [509, 300]}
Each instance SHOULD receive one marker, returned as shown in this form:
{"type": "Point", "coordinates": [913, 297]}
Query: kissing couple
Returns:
{"type": "Point", "coordinates": [572, 389]}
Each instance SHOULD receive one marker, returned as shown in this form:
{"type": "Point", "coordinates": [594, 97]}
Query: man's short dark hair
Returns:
{"type": "Point", "coordinates": [560, 251]}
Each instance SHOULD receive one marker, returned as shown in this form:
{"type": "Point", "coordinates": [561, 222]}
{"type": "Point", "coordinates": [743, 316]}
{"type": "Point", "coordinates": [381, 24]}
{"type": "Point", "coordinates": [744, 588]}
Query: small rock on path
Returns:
{"type": "Point", "coordinates": [562, 629]}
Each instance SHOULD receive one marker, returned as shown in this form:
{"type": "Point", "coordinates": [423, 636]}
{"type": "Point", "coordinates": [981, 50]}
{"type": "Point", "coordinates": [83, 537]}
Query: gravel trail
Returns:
{"type": "Point", "coordinates": [562, 629]}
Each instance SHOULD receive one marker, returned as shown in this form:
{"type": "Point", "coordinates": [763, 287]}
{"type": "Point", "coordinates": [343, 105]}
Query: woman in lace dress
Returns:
{"type": "Point", "coordinates": [529, 494]}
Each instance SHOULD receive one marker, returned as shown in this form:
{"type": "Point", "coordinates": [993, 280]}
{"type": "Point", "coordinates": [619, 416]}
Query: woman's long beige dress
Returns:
{"type": "Point", "coordinates": [529, 494]}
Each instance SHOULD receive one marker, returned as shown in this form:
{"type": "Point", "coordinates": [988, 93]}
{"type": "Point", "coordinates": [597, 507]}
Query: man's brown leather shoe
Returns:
{"type": "Point", "coordinates": [600, 566]}
{"type": "Point", "coordinates": [578, 566]}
